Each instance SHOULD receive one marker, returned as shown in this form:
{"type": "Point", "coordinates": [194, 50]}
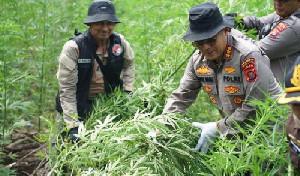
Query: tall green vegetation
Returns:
{"type": "Point", "coordinates": [114, 139]}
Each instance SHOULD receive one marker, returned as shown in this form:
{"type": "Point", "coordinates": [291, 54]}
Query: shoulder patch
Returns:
{"type": "Point", "coordinates": [248, 66]}
{"type": "Point", "coordinates": [278, 29]}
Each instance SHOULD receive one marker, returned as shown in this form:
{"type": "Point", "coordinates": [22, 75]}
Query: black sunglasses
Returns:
{"type": "Point", "coordinates": [206, 41]}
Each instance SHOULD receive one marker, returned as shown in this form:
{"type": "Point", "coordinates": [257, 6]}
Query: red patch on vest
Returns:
{"type": "Point", "coordinates": [278, 29]}
{"type": "Point", "coordinates": [117, 50]}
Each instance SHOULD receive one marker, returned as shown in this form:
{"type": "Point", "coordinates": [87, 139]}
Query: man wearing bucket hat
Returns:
{"type": "Point", "coordinates": [90, 64]}
{"type": "Point", "coordinates": [292, 97]}
{"type": "Point", "coordinates": [278, 35]}
{"type": "Point", "coordinates": [230, 70]}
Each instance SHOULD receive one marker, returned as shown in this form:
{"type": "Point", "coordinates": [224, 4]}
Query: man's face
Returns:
{"type": "Point", "coordinates": [102, 29]}
{"type": "Point", "coordinates": [213, 49]}
{"type": "Point", "coordinates": [285, 8]}
{"type": "Point", "coordinates": [296, 109]}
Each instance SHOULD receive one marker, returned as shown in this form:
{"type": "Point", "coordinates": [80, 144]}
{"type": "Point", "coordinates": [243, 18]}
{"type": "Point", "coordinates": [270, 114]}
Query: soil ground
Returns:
{"type": "Point", "coordinates": [27, 149]}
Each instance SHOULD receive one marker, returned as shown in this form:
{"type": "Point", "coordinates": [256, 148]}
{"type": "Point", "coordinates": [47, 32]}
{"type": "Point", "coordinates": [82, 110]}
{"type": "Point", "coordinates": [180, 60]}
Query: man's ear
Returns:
{"type": "Point", "coordinates": [227, 30]}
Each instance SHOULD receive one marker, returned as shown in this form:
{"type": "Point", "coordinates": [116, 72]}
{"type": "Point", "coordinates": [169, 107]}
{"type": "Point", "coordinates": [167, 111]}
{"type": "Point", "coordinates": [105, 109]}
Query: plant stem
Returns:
{"type": "Point", "coordinates": [43, 60]}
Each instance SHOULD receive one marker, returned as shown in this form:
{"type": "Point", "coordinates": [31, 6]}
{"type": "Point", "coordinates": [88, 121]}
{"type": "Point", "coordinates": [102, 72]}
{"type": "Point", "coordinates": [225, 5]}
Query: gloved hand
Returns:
{"type": "Point", "coordinates": [153, 135]}
{"type": "Point", "coordinates": [71, 135]}
{"type": "Point", "coordinates": [209, 132]}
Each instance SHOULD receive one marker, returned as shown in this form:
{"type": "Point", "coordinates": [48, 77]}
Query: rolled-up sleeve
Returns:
{"type": "Point", "coordinates": [187, 92]}
{"type": "Point", "coordinates": [257, 23]}
{"type": "Point", "coordinates": [67, 76]}
{"type": "Point", "coordinates": [128, 69]}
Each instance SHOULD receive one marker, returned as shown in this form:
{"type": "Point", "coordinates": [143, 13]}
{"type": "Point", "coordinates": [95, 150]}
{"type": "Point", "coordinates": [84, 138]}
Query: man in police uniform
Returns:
{"type": "Point", "coordinates": [231, 70]}
{"type": "Point", "coordinates": [91, 64]}
{"type": "Point", "coordinates": [292, 97]}
{"type": "Point", "coordinates": [279, 35]}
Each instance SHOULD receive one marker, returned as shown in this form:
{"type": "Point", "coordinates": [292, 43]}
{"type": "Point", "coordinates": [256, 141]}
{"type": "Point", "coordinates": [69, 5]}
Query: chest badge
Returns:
{"type": "Point", "coordinates": [237, 100]}
{"type": "Point", "coordinates": [213, 99]}
{"type": "Point", "coordinates": [230, 69]}
{"type": "Point", "coordinates": [117, 50]}
{"type": "Point", "coordinates": [278, 29]}
{"type": "Point", "coordinates": [207, 88]}
{"type": "Point", "coordinates": [231, 89]}
{"type": "Point", "coordinates": [202, 70]}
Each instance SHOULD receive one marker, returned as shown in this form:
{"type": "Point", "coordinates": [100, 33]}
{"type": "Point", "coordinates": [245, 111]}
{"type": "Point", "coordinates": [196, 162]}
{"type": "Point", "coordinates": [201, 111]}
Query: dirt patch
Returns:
{"type": "Point", "coordinates": [27, 150]}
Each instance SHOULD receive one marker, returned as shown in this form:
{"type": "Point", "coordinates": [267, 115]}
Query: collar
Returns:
{"type": "Point", "coordinates": [297, 13]}
{"type": "Point", "coordinates": [91, 40]}
{"type": "Point", "coordinates": [228, 49]}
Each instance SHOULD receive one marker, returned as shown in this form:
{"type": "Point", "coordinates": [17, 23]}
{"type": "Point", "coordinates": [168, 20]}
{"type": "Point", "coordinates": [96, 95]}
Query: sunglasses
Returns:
{"type": "Point", "coordinates": [206, 41]}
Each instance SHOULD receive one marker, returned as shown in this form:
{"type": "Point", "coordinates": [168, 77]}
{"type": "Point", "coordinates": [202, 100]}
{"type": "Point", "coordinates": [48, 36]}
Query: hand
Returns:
{"type": "Point", "coordinates": [209, 132]}
{"type": "Point", "coordinates": [71, 137]}
{"type": "Point", "coordinates": [153, 135]}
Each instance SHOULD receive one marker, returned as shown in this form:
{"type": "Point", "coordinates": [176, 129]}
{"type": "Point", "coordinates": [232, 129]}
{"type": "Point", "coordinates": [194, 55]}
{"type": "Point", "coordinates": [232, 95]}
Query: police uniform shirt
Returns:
{"type": "Point", "coordinates": [282, 44]}
{"type": "Point", "coordinates": [242, 75]}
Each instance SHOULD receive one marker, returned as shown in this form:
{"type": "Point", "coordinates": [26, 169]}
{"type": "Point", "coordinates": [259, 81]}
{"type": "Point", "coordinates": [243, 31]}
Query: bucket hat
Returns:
{"type": "Point", "coordinates": [101, 10]}
{"type": "Point", "coordinates": [292, 85]}
{"type": "Point", "coordinates": [206, 21]}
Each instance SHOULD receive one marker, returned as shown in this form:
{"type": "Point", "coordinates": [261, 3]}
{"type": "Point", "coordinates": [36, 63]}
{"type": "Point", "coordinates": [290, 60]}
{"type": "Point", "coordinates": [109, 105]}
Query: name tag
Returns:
{"type": "Point", "coordinates": [207, 79]}
{"type": "Point", "coordinates": [84, 61]}
{"type": "Point", "coordinates": [232, 79]}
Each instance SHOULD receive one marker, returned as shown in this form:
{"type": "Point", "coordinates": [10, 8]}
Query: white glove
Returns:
{"type": "Point", "coordinates": [153, 135]}
{"type": "Point", "coordinates": [209, 132]}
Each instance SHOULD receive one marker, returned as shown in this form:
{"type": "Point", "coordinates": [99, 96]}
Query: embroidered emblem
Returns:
{"type": "Point", "coordinates": [237, 100]}
{"type": "Point", "coordinates": [207, 88]}
{"type": "Point", "coordinates": [230, 69]}
{"type": "Point", "coordinates": [251, 75]}
{"type": "Point", "coordinates": [117, 50]}
{"type": "Point", "coordinates": [228, 51]}
{"type": "Point", "coordinates": [213, 99]}
{"type": "Point", "coordinates": [84, 61]}
{"type": "Point", "coordinates": [248, 66]}
{"type": "Point", "coordinates": [248, 61]}
{"type": "Point", "coordinates": [278, 29]}
{"type": "Point", "coordinates": [203, 70]}
{"type": "Point", "coordinates": [231, 89]}
{"type": "Point", "coordinates": [296, 76]}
